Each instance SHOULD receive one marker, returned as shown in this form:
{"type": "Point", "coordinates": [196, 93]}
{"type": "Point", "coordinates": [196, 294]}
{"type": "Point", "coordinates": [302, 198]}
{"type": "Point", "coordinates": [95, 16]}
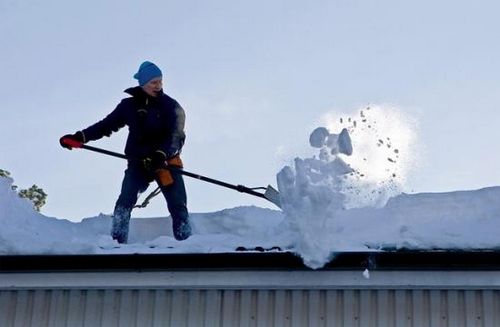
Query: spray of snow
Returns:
{"type": "Point", "coordinates": [385, 152]}
{"type": "Point", "coordinates": [365, 172]}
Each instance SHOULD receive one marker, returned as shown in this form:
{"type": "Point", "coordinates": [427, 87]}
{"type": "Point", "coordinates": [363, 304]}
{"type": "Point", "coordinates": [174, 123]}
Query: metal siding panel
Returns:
{"type": "Point", "coordinates": [76, 305]}
{"type": "Point", "coordinates": [351, 307]}
{"type": "Point", "coordinates": [229, 305]}
{"type": "Point", "coordinates": [330, 303]}
{"type": "Point", "coordinates": [21, 299]}
{"type": "Point", "coordinates": [469, 306]}
{"type": "Point", "coordinates": [145, 308]}
{"type": "Point", "coordinates": [400, 307]}
{"type": "Point", "coordinates": [8, 307]}
{"type": "Point", "coordinates": [93, 309]}
{"type": "Point", "coordinates": [40, 308]}
{"type": "Point", "coordinates": [365, 312]}
{"type": "Point", "coordinates": [195, 309]}
{"type": "Point", "coordinates": [281, 314]}
{"type": "Point", "coordinates": [335, 300]}
{"type": "Point", "coordinates": [254, 299]}
{"type": "Point", "coordinates": [366, 316]}
{"type": "Point", "coordinates": [58, 313]}
{"type": "Point", "coordinates": [488, 308]}
{"type": "Point", "coordinates": [127, 308]}
{"type": "Point", "coordinates": [418, 311]}
{"type": "Point", "coordinates": [315, 309]}
{"type": "Point", "coordinates": [385, 308]}
{"type": "Point", "coordinates": [288, 308]}
{"type": "Point", "coordinates": [162, 308]}
{"type": "Point", "coordinates": [496, 306]}
{"type": "Point", "coordinates": [298, 312]}
{"type": "Point", "coordinates": [205, 314]}
{"type": "Point", "coordinates": [480, 308]}
{"type": "Point", "coordinates": [476, 299]}
{"type": "Point", "coordinates": [213, 307]}
{"type": "Point", "coordinates": [374, 307]}
{"type": "Point", "coordinates": [456, 308]}
{"type": "Point", "coordinates": [409, 305]}
{"type": "Point", "coordinates": [445, 312]}
{"type": "Point", "coordinates": [272, 308]}
{"type": "Point", "coordinates": [323, 309]}
{"type": "Point", "coordinates": [348, 307]}
{"type": "Point", "coordinates": [436, 309]}
{"type": "Point", "coordinates": [244, 312]}
{"type": "Point", "coordinates": [24, 308]}
{"type": "Point", "coordinates": [179, 308]}
{"type": "Point", "coordinates": [264, 308]}
{"type": "Point", "coordinates": [111, 304]}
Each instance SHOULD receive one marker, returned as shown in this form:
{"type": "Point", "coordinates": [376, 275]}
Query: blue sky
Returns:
{"type": "Point", "coordinates": [255, 77]}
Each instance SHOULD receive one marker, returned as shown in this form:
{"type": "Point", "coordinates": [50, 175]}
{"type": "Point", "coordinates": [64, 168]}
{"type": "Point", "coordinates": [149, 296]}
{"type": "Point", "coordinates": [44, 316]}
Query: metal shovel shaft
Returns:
{"type": "Point", "coordinates": [271, 194]}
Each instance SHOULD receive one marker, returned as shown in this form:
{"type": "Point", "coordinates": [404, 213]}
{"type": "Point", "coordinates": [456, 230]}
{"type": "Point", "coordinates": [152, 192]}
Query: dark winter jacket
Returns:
{"type": "Point", "coordinates": [155, 124]}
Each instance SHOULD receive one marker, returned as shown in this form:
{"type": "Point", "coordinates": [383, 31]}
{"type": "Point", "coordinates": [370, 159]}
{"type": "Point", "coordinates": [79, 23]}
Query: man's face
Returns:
{"type": "Point", "coordinates": [153, 87]}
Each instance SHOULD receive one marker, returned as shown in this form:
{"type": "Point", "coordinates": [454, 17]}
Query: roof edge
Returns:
{"type": "Point", "coordinates": [397, 260]}
{"type": "Point", "coordinates": [253, 280]}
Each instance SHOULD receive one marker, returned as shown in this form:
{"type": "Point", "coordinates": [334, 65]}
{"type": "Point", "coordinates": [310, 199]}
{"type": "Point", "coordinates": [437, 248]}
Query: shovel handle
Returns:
{"type": "Point", "coordinates": [240, 188]}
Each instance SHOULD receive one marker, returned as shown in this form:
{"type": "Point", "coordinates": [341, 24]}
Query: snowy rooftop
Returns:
{"type": "Point", "coordinates": [465, 220]}
{"type": "Point", "coordinates": [337, 201]}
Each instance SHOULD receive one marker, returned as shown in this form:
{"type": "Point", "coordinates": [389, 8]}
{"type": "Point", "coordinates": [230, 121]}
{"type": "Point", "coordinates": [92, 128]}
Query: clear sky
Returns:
{"type": "Point", "coordinates": [255, 77]}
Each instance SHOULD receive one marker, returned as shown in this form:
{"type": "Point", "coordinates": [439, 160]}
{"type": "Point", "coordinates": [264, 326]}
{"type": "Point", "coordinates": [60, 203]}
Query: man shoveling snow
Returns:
{"type": "Point", "coordinates": [156, 135]}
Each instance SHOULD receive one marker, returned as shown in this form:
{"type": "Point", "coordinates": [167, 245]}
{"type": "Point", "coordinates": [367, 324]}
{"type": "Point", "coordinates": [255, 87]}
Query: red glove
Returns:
{"type": "Point", "coordinates": [67, 139]}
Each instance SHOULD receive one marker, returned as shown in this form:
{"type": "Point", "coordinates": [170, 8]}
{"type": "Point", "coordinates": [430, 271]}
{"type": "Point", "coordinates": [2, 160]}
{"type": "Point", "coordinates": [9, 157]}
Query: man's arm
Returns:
{"type": "Point", "coordinates": [112, 123]}
{"type": "Point", "coordinates": [174, 146]}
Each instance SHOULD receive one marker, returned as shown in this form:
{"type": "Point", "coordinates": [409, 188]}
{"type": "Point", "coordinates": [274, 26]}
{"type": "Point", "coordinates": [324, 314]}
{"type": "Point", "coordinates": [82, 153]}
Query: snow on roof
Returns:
{"type": "Point", "coordinates": [464, 220]}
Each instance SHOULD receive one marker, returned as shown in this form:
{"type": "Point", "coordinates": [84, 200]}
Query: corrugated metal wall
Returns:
{"type": "Point", "coordinates": [382, 308]}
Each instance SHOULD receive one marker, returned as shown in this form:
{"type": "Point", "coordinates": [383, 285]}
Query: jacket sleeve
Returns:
{"type": "Point", "coordinates": [174, 145]}
{"type": "Point", "coordinates": [112, 123]}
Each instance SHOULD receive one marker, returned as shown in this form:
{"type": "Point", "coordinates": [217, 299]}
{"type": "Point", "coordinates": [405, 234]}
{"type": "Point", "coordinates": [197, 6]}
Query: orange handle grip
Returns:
{"type": "Point", "coordinates": [72, 143]}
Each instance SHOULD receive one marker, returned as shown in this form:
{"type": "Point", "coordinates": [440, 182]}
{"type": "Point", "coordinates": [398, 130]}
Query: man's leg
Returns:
{"type": "Point", "coordinates": [175, 195]}
{"type": "Point", "coordinates": [134, 182]}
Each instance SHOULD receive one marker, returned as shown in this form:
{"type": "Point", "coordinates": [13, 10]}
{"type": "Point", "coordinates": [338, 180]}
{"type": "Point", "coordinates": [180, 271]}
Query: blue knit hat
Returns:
{"type": "Point", "coordinates": [147, 71]}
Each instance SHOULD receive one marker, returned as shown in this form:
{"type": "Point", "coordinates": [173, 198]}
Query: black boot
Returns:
{"type": "Point", "coordinates": [181, 229]}
{"type": "Point", "coordinates": [121, 220]}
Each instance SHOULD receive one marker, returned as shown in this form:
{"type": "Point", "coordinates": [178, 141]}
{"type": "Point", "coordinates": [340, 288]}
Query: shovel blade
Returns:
{"type": "Point", "coordinates": [273, 196]}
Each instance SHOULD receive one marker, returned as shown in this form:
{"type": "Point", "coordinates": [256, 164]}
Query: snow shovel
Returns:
{"type": "Point", "coordinates": [270, 193]}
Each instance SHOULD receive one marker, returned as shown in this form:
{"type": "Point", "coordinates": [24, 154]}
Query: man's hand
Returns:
{"type": "Point", "coordinates": [77, 137]}
{"type": "Point", "coordinates": [155, 162]}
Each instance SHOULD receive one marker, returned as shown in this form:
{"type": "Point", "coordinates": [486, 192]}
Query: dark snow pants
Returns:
{"type": "Point", "coordinates": [136, 181]}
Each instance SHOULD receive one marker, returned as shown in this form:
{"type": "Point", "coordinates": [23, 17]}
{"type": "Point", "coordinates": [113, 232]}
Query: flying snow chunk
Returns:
{"type": "Point", "coordinates": [337, 143]}
{"type": "Point", "coordinates": [344, 142]}
{"type": "Point", "coordinates": [318, 137]}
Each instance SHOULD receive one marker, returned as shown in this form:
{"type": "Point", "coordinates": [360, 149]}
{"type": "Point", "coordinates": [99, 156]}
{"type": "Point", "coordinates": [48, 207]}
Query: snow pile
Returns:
{"type": "Point", "coordinates": [217, 232]}
{"type": "Point", "coordinates": [25, 231]}
{"type": "Point", "coordinates": [311, 195]}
